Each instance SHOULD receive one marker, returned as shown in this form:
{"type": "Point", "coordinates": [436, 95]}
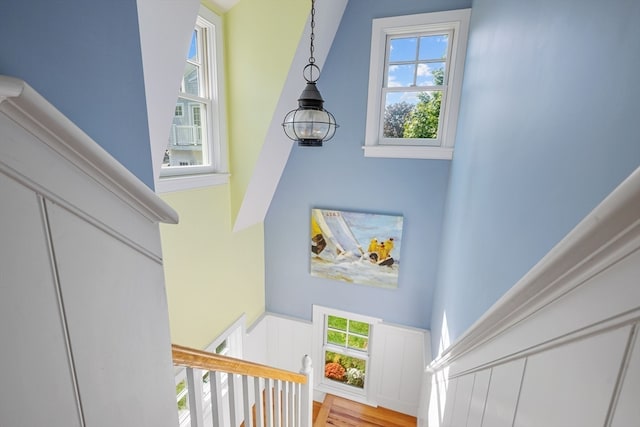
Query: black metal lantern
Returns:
{"type": "Point", "coordinates": [310, 124]}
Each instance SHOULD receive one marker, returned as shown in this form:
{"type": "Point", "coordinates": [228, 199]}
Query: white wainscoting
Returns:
{"type": "Point", "coordinates": [399, 353]}
{"type": "Point", "coordinates": [278, 341]}
{"type": "Point", "coordinates": [399, 356]}
{"type": "Point", "coordinates": [561, 348]}
{"type": "Point", "coordinates": [84, 323]}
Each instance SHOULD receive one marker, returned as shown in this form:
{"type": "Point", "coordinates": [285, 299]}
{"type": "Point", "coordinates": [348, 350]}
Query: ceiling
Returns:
{"type": "Point", "coordinates": [224, 5]}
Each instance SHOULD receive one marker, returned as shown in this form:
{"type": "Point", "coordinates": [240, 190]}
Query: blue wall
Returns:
{"type": "Point", "coordinates": [84, 57]}
{"type": "Point", "coordinates": [339, 176]}
{"type": "Point", "coordinates": [548, 127]}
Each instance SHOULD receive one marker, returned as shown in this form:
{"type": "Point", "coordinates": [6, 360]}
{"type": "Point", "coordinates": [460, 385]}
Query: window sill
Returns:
{"type": "Point", "coordinates": [189, 182]}
{"type": "Point", "coordinates": [408, 152]}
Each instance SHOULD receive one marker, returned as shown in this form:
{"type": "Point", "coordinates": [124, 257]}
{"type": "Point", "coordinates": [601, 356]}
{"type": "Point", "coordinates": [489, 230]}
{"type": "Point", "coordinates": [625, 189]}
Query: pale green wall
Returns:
{"type": "Point", "coordinates": [212, 274]}
{"type": "Point", "coordinates": [261, 39]}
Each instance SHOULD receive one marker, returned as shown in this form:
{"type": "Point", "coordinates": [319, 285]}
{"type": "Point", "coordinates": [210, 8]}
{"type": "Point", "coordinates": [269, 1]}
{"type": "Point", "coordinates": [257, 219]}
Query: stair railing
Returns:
{"type": "Point", "coordinates": [277, 398]}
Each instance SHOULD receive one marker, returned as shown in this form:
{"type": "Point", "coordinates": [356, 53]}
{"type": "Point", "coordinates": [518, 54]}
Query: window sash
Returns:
{"type": "Point", "coordinates": [415, 88]}
{"type": "Point", "coordinates": [349, 351]}
{"type": "Point", "coordinates": [416, 61]}
{"type": "Point", "coordinates": [205, 41]}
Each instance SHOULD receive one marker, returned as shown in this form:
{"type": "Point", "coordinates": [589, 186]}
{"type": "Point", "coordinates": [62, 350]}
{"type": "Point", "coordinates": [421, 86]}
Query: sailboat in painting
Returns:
{"type": "Point", "coordinates": [356, 247]}
{"type": "Point", "coordinates": [336, 233]}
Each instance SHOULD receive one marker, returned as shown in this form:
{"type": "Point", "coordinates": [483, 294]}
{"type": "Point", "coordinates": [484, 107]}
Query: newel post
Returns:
{"type": "Point", "coordinates": [306, 395]}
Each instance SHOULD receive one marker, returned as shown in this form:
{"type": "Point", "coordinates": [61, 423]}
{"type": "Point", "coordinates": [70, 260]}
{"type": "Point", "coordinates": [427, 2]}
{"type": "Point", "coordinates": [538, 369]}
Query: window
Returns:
{"type": "Point", "coordinates": [415, 79]}
{"type": "Point", "coordinates": [344, 341]}
{"type": "Point", "coordinates": [196, 153]}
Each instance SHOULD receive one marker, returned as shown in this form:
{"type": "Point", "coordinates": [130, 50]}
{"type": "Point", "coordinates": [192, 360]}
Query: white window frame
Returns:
{"type": "Point", "coordinates": [178, 178]}
{"type": "Point", "coordinates": [325, 385]}
{"type": "Point", "coordinates": [456, 21]}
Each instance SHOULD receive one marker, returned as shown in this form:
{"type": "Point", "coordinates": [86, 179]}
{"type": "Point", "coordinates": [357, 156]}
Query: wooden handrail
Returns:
{"type": "Point", "coordinates": [192, 358]}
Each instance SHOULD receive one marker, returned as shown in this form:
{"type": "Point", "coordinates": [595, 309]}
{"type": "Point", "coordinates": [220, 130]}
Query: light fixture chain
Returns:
{"type": "Point", "coordinates": [310, 124]}
{"type": "Point", "coordinates": [313, 36]}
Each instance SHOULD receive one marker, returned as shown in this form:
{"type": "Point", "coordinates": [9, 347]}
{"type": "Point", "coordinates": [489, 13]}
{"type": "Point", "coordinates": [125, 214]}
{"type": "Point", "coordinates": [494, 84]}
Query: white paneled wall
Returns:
{"type": "Point", "coordinates": [84, 323]}
{"type": "Point", "coordinates": [477, 399]}
{"type": "Point", "coordinates": [502, 398]}
{"type": "Point", "coordinates": [463, 390]}
{"type": "Point", "coordinates": [399, 355]}
{"type": "Point", "coordinates": [627, 407]}
{"type": "Point", "coordinates": [288, 341]}
{"type": "Point", "coordinates": [560, 349]}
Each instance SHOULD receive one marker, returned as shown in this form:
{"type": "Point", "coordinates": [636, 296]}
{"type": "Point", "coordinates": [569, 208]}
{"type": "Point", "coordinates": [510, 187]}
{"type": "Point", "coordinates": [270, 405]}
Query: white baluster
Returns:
{"type": "Point", "coordinates": [297, 404]}
{"type": "Point", "coordinates": [217, 414]}
{"type": "Point", "coordinates": [277, 406]}
{"type": "Point", "coordinates": [246, 402]}
{"type": "Point", "coordinates": [306, 395]}
{"type": "Point", "coordinates": [258, 398]}
{"type": "Point", "coordinates": [285, 404]}
{"type": "Point", "coordinates": [268, 395]}
{"type": "Point", "coordinates": [232, 400]}
{"type": "Point", "coordinates": [292, 405]}
{"type": "Point", "coordinates": [194, 383]}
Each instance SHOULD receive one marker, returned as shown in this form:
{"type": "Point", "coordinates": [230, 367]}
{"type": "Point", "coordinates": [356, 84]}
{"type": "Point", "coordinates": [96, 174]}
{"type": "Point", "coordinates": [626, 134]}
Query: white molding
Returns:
{"type": "Point", "coordinates": [218, 118]}
{"type": "Point", "coordinates": [408, 152]}
{"type": "Point", "coordinates": [30, 110]}
{"type": "Point", "coordinates": [190, 182]}
{"type": "Point", "coordinates": [608, 236]}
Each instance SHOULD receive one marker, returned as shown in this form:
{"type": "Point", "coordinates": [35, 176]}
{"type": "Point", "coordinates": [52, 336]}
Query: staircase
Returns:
{"type": "Point", "coordinates": [244, 393]}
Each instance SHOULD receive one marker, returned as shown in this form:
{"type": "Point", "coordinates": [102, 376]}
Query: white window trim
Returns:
{"type": "Point", "coordinates": [458, 21]}
{"type": "Point", "coordinates": [322, 384]}
{"type": "Point", "coordinates": [178, 179]}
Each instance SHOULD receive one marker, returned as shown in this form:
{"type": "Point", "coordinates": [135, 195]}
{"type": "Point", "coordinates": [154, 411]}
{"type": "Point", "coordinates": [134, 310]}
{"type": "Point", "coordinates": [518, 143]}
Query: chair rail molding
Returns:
{"type": "Point", "coordinates": [21, 103]}
{"type": "Point", "coordinates": [561, 347]}
{"type": "Point", "coordinates": [604, 237]}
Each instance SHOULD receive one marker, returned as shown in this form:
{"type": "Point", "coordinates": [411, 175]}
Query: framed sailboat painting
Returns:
{"type": "Point", "coordinates": [356, 247]}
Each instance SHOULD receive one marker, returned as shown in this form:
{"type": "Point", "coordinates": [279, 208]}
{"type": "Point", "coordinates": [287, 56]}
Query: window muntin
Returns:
{"type": "Point", "coordinates": [346, 351]}
{"type": "Point", "coordinates": [347, 333]}
{"type": "Point", "coordinates": [415, 82]}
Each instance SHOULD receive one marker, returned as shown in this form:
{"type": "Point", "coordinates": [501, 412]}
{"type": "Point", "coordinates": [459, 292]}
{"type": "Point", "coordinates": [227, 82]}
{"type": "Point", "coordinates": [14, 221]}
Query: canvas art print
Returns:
{"type": "Point", "coordinates": [356, 247]}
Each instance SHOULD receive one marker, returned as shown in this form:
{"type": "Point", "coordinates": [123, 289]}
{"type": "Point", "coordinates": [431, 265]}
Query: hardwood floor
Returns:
{"type": "Point", "coordinates": [335, 411]}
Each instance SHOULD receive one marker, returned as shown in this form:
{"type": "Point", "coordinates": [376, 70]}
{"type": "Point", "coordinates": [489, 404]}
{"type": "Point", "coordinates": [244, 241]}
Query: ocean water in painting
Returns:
{"type": "Point", "coordinates": [356, 247]}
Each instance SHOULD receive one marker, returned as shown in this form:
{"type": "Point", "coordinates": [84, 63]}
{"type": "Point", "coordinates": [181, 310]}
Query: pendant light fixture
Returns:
{"type": "Point", "coordinates": [310, 124]}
